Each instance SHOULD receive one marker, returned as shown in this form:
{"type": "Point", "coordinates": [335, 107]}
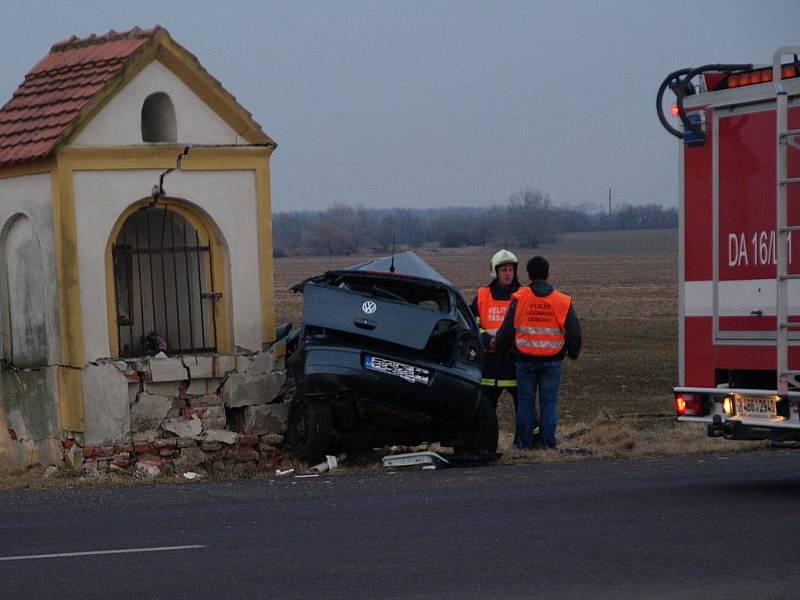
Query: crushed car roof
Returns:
{"type": "Point", "coordinates": [405, 263]}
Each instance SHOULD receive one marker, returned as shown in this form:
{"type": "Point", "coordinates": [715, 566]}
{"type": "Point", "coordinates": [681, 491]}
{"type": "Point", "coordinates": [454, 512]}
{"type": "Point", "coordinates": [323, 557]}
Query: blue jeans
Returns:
{"type": "Point", "coordinates": [546, 378]}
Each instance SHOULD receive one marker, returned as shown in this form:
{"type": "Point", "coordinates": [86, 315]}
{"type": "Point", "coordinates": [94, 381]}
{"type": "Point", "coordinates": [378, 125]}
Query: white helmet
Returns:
{"type": "Point", "coordinates": [503, 257]}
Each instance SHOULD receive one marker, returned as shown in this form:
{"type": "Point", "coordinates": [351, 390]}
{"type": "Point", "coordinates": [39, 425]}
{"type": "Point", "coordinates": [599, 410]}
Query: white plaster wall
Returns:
{"type": "Point", "coordinates": [25, 326]}
{"type": "Point", "coordinates": [119, 122]}
{"type": "Point", "coordinates": [228, 197]}
{"type": "Point", "coordinates": [31, 195]}
{"type": "Point", "coordinates": [106, 405]}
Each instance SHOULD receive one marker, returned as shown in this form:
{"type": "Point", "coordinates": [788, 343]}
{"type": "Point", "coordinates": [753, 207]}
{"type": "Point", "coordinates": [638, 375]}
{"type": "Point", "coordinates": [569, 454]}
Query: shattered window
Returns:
{"type": "Point", "coordinates": [401, 290]}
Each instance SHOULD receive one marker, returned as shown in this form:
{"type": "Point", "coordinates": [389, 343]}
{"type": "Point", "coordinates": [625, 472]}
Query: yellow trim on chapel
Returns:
{"type": "Point", "coordinates": [265, 264]}
{"type": "Point", "coordinates": [70, 395]}
{"type": "Point", "coordinates": [164, 156]}
{"type": "Point", "coordinates": [36, 168]}
{"type": "Point", "coordinates": [188, 69]}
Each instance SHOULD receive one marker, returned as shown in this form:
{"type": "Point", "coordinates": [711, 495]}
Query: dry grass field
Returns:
{"type": "Point", "coordinates": [624, 286]}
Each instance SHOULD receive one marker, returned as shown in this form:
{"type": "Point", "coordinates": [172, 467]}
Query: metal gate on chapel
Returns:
{"type": "Point", "coordinates": [162, 278]}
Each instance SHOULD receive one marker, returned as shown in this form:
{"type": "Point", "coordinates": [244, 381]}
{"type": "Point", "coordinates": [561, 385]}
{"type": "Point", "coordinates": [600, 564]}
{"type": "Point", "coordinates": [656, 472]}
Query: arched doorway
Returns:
{"type": "Point", "coordinates": [166, 290]}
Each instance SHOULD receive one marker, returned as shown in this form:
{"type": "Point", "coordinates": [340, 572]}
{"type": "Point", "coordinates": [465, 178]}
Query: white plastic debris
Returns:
{"type": "Point", "coordinates": [191, 475]}
{"type": "Point", "coordinates": [413, 459]}
{"type": "Point", "coordinates": [280, 473]}
{"type": "Point", "coordinates": [331, 463]}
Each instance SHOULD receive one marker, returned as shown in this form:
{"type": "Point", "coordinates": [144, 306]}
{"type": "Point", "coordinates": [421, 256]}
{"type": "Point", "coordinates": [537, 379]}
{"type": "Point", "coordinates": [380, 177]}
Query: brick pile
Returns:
{"type": "Point", "coordinates": [187, 414]}
{"type": "Point", "coordinates": [175, 455]}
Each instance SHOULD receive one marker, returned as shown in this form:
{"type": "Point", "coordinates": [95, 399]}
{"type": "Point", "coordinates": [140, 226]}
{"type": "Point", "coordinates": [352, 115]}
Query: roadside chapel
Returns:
{"type": "Point", "coordinates": [136, 300]}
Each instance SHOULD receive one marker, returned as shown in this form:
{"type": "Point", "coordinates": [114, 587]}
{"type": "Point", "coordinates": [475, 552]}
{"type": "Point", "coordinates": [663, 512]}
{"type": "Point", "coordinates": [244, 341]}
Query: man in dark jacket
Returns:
{"type": "Point", "coordinates": [489, 307]}
{"type": "Point", "coordinates": [541, 327]}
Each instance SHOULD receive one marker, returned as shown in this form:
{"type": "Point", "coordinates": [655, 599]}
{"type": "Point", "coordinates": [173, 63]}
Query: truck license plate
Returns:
{"type": "Point", "coordinates": [410, 373]}
{"type": "Point", "coordinates": [755, 406]}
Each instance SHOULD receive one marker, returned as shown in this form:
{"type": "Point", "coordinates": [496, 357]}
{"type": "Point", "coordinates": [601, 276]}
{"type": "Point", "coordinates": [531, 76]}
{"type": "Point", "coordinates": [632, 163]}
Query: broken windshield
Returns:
{"type": "Point", "coordinates": [400, 289]}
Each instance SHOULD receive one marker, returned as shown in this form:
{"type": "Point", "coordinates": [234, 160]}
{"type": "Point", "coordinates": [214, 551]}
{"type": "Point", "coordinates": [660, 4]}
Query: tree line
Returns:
{"type": "Point", "coordinates": [527, 219]}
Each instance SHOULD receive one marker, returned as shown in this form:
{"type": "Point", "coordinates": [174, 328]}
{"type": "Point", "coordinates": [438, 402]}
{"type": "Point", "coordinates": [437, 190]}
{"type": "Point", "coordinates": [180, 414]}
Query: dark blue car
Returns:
{"type": "Point", "coordinates": [388, 353]}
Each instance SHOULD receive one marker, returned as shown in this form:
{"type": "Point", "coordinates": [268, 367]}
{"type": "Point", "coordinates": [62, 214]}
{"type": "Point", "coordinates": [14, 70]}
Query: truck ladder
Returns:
{"type": "Point", "coordinates": [785, 137]}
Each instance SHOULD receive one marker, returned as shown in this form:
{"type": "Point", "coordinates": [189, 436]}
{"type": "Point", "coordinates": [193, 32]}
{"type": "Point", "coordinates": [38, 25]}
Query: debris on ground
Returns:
{"type": "Point", "coordinates": [148, 469]}
{"type": "Point", "coordinates": [331, 463]}
{"type": "Point", "coordinates": [415, 459]}
{"type": "Point", "coordinates": [576, 450]}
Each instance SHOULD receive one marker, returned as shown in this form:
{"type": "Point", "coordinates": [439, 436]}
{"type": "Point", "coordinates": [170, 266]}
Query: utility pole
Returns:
{"type": "Point", "coordinates": [610, 225]}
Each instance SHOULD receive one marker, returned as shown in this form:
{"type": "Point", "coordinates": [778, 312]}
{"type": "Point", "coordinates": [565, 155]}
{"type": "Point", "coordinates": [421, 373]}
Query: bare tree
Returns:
{"type": "Point", "coordinates": [528, 218]}
{"type": "Point", "coordinates": [531, 219]}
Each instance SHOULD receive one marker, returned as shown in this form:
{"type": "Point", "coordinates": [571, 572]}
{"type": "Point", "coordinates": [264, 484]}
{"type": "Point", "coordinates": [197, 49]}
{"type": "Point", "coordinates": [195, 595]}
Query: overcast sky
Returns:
{"type": "Point", "coordinates": [440, 103]}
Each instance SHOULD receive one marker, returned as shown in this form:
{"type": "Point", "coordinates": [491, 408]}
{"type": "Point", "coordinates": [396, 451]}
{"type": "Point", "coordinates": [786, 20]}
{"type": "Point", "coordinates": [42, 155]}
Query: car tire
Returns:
{"type": "Point", "coordinates": [310, 428]}
{"type": "Point", "coordinates": [481, 436]}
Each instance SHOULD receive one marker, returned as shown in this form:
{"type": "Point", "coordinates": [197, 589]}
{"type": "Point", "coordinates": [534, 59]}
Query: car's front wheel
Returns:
{"type": "Point", "coordinates": [310, 428]}
{"type": "Point", "coordinates": [482, 433]}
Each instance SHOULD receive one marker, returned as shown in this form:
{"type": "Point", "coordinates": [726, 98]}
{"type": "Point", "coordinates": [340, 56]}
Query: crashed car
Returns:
{"type": "Point", "coordinates": [388, 353]}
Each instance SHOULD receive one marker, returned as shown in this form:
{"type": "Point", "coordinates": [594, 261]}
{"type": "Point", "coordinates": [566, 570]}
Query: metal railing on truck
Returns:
{"type": "Point", "coordinates": [785, 138]}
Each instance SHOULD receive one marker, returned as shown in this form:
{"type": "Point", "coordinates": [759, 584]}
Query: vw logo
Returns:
{"type": "Point", "coordinates": [369, 307]}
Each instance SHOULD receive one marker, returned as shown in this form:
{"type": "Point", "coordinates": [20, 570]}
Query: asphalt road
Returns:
{"type": "Point", "coordinates": [681, 527]}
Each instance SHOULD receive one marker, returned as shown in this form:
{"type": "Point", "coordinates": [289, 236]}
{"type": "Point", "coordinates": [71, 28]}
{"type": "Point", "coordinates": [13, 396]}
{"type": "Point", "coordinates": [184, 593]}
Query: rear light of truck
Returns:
{"type": "Point", "coordinates": [727, 405]}
{"type": "Point", "coordinates": [689, 405]}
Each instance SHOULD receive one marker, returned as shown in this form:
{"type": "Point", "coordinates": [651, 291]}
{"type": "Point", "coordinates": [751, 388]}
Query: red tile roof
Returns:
{"type": "Point", "coordinates": [47, 104]}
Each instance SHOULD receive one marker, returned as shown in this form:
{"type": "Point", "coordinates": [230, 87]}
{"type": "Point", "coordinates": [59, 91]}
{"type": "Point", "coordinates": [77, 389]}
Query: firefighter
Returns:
{"type": "Point", "coordinates": [542, 326]}
{"type": "Point", "coordinates": [489, 308]}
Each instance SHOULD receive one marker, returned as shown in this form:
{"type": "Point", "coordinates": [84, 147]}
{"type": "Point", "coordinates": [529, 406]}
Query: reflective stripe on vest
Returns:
{"type": "Point", "coordinates": [539, 322]}
{"type": "Point", "coordinates": [504, 383]}
{"type": "Point", "coordinates": [491, 312]}
{"type": "Point", "coordinates": [542, 330]}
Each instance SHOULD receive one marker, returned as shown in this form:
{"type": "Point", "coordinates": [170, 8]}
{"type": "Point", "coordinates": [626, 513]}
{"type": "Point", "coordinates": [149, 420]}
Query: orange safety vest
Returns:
{"type": "Point", "coordinates": [539, 322]}
{"type": "Point", "coordinates": [491, 312]}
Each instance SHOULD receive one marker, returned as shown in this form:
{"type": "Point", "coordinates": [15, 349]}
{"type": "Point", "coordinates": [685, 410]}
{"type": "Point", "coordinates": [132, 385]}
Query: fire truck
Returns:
{"type": "Point", "coordinates": [739, 245]}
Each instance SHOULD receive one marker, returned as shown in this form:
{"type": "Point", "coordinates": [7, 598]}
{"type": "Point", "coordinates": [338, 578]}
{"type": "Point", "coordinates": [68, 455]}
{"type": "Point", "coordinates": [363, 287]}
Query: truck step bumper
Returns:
{"type": "Point", "coordinates": [735, 430]}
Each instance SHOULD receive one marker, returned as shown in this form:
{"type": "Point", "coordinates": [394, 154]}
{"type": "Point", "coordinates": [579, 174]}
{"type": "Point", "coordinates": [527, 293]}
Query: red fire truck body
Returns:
{"type": "Point", "coordinates": [739, 247]}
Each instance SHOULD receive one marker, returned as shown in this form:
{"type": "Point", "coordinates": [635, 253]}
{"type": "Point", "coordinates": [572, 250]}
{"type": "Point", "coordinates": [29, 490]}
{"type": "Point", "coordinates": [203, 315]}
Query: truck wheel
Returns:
{"type": "Point", "coordinates": [481, 436]}
{"type": "Point", "coordinates": [310, 428]}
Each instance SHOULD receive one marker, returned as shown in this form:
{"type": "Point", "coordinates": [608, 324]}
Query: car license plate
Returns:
{"type": "Point", "coordinates": [410, 373]}
{"type": "Point", "coordinates": [755, 406]}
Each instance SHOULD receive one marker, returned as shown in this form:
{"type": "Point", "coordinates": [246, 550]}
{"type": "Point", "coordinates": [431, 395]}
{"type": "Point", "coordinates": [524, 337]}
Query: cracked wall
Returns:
{"type": "Point", "coordinates": [30, 431]}
{"type": "Point", "coordinates": [183, 409]}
